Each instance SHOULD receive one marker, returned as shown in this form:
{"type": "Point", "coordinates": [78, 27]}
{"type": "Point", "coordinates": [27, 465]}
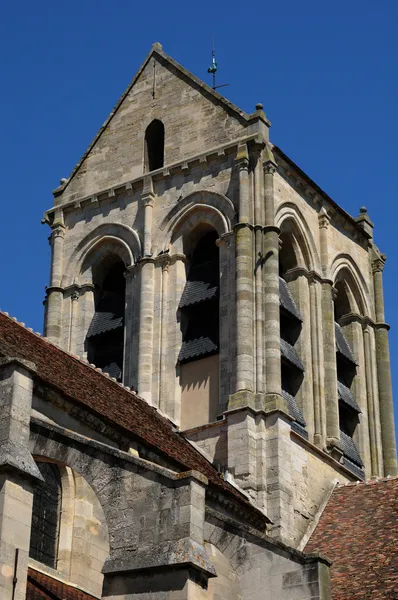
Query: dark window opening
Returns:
{"type": "Point", "coordinates": [292, 370]}
{"type": "Point", "coordinates": [154, 146]}
{"type": "Point", "coordinates": [199, 305]}
{"type": "Point", "coordinates": [105, 337]}
{"type": "Point", "coordinates": [287, 255]}
{"type": "Point", "coordinates": [46, 514]}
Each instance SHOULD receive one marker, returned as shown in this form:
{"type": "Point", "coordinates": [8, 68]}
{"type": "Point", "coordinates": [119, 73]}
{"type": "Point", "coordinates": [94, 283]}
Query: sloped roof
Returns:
{"type": "Point", "coordinates": [358, 531]}
{"type": "Point", "coordinates": [89, 387]}
{"type": "Point", "coordinates": [43, 587]}
{"type": "Point", "coordinates": [157, 52]}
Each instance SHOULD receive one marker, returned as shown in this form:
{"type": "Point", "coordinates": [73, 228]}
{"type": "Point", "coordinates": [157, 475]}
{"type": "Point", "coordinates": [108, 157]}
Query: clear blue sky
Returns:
{"type": "Point", "coordinates": [326, 73]}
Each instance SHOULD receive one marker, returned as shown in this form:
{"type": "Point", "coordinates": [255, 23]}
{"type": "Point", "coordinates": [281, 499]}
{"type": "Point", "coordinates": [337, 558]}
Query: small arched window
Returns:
{"type": "Point", "coordinates": [105, 336]}
{"type": "Point", "coordinates": [154, 146]}
{"type": "Point", "coordinates": [46, 515]}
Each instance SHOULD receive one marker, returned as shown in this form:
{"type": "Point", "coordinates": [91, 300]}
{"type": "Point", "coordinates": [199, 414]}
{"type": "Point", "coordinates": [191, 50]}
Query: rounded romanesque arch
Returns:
{"type": "Point", "coordinates": [199, 208]}
{"type": "Point", "coordinates": [292, 224]}
{"type": "Point", "coordinates": [109, 238]}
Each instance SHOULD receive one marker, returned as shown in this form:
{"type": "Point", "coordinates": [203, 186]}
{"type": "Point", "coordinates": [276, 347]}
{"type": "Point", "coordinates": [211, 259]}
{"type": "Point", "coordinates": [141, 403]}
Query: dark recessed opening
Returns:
{"type": "Point", "coordinates": [154, 146]}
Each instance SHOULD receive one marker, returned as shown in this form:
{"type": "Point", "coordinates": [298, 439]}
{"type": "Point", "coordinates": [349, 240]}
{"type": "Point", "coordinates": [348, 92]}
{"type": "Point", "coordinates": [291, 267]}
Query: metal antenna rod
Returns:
{"type": "Point", "coordinates": [213, 68]}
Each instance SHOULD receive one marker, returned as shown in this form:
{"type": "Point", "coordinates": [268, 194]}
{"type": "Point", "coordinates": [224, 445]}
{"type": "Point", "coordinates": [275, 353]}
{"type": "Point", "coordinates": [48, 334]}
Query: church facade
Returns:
{"type": "Point", "coordinates": [216, 352]}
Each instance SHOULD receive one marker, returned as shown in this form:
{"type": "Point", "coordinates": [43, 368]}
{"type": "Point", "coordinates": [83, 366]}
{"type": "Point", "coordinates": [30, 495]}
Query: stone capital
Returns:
{"type": "Point", "coordinates": [269, 168]}
{"type": "Point", "coordinates": [58, 230]}
{"type": "Point", "coordinates": [242, 158]}
{"type": "Point", "coordinates": [379, 264]}
{"type": "Point", "coordinates": [323, 218]}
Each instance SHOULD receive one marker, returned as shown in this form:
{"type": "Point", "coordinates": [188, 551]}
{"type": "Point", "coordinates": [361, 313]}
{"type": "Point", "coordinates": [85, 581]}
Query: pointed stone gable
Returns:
{"type": "Point", "coordinates": [195, 119]}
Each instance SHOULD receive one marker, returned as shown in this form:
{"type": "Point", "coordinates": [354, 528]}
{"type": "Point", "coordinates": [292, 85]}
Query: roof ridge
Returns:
{"type": "Point", "coordinates": [369, 481]}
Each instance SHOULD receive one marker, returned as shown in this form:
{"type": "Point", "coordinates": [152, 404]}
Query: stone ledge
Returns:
{"type": "Point", "coordinates": [16, 456]}
{"type": "Point", "coordinates": [266, 404]}
{"type": "Point", "coordinates": [162, 555]}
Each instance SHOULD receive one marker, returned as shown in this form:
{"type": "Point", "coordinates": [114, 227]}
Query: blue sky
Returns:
{"type": "Point", "coordinates": [325, 72]}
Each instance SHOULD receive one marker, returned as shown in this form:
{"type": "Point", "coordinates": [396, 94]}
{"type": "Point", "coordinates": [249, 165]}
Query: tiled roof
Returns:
{"type": "Point", "coordinates": [202, 346]}
{"type": "Point", "coordinates": [290, 354]}
{"type": "Point", "coordinates": [342, 344]}
{"type": "Point", "coordinates": [110, 401]}
{"type": "Point", "coordinates": [358, 531]}
{"type": "Point", "coordinates": [346, 396]}
{"type": "Point", "coordinates": [43, 587]}
{"type": "Point", "coordinates": [286, 299]}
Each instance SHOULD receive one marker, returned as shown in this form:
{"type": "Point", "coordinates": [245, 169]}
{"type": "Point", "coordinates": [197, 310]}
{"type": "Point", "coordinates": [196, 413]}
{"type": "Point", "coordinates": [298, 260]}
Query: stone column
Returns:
{"type": "Point", "coordinates": [145, 350]}
{"type": "Point", "coordinates": [163, 336]}
{"type": "Point", "coordinates": [271, 285]}
{"type": "Point", "coordinates": [53, 325]}
{"type": "Point", "coordinates": [316, 364]}
{"type": "Point", "coordinates": [147, 273]}
{"type": "Point", "coordinates": [258, 274]}
{"type": "Point", "coordinates": [18, 471]}
{"type": "Point", "coordinates": [329, 342]}
{"type": "Point", "coordinates": [384, 374]}
{"type": "Point", "coordinates": [370, 399]}
{"type": "Point", "coordinates": [148, 198]}
{"type": "Point", "coordinates": [244, 282]}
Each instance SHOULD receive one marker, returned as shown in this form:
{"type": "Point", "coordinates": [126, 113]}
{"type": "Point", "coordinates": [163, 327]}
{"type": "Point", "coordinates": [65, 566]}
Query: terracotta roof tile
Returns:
{"type": "Point", "coordinates": [358, 532]}
{"type": "Point", "coordinates": [91, 388]}
{"type": "Point", "coordinates": [43, 587]}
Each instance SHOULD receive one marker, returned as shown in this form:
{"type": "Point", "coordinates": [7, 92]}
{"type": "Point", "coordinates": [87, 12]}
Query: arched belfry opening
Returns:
{"type": "Point", "coordinates": [200, 323]}
{"type": "Point", "coordinates": [154, 146]}
{"type": "Point", "coordinates": [292, 368]}
{"type": "Point", "coordinates": [349, 409]}
{"type": "Point", "coordinates": [105, 336]}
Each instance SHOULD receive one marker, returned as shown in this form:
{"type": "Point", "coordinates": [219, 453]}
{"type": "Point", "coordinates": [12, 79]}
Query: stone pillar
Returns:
{"type": "Point", "coordinates": [244, 282]}
{"type": "Point", "coordinates": [271, 285]}
{"type": "Point", "coordinates": [316, 364]}
{"type": "Point", "coordinates": [163, 375]}
{"type": "Point", "coordinates": [384, 374]}
{"type": "Point", "coordinates": [148, 198]}
{"type": "Point", "coordinates": [53, 325]}
{"type": "Point", "coordinates": [329, 342]}
{"type": "Point", "coordinates": [258, 271]}
{"type": "Point", "coordinates": [370, 400]}
{"type": "Point", "coordinates": [18, 471]}
{"type": "Point", "coordinates": [145, 350]}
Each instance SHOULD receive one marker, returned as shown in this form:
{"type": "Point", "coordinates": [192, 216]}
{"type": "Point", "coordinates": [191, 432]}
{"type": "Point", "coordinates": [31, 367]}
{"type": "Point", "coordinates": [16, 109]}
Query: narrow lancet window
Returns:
{"type": "Point", "coordinates": [154, 146]}
{"type": "Point", "coordinates": [105, 337]}
{"type": "Point", "coordinates": [46, 514]}
{"type": "Point", "coordinates": [349, 409]}
{"type": "Point", "coordinates": [292, 368]}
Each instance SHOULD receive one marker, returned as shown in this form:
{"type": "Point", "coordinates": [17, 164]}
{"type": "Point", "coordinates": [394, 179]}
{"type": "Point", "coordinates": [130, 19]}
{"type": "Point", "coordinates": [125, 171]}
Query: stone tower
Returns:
{"type": "Point", "coordinates": [195, 262]}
